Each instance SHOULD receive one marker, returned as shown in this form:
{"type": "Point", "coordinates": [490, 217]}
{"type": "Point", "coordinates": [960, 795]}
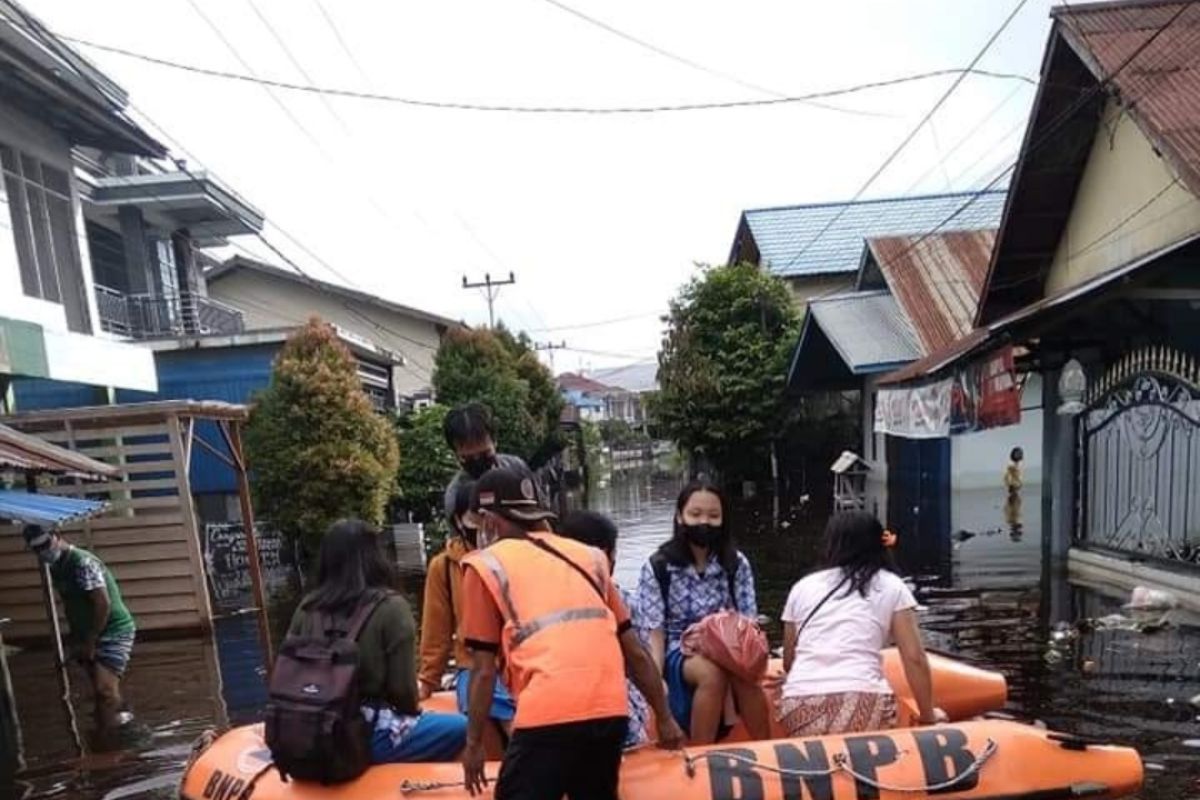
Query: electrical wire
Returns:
{"type": "Point", "coordinates": [598, 323]}
{"type": "Point", "coordinates": [337, 34]}
{"type": "Point", "coordinates": [687, 62]}
{"type": "Point", "coordinates": [551, 109]}
{"type": "Point", "coordinates": [887, 162]}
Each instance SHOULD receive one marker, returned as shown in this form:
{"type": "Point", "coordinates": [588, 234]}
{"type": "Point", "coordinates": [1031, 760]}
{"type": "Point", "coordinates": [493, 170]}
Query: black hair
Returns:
{"type": "Point", "coordinates": [676, 549]}
{"type": "Point", "coordinates": [592, 528]}
{"type": "Point", "coordinates": [854, 544]}
{"type": "Point", "coordinates": [464, 496]}
{"type": "Point", "coordinates": [467, 424]}
{"type": "Point", "coordinates": [1017, 454]}
{"type": "Point", "coordinates": [351, 564]}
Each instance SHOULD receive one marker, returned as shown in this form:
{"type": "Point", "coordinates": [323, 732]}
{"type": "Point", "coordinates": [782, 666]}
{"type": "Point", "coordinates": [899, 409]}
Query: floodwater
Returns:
{"type": "Point", "coordinates": [988, 601]}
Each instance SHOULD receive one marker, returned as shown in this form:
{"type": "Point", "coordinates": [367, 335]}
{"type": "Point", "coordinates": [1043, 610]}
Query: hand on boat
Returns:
{"type": "Point", "coordinates": [939, 717]}
{"type": "Point", "coordinates": [424, 692]}
{"type": "Point", "coordinates": [670, 735]}
{"type": "Point", "coordinates": [473, 759]}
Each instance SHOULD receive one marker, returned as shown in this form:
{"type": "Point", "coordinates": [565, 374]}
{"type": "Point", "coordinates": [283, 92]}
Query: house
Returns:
{"type": "Point", "coordinates": [54, 106]}
{"type": "Point", "coordinates": [1094, 285]}
{"type": "Point", "coordinates": [615, 393]}
{"type": "Point", "coordinates": [914, 294]}
{"type": "Point", "coordinates": [269, 298]}
{"type": "Point", "coordinates": [817, 248]}
{"type": "Point", "coordinates": [586, 395]}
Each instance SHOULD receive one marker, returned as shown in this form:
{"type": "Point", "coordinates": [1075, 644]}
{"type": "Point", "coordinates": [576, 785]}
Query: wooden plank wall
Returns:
{"type": "Point", "coordinates": [147, 538]}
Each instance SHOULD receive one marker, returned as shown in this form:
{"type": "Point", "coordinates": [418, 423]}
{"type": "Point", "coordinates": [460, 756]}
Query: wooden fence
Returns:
{"type": "Point", "coordinates": [148, 536]}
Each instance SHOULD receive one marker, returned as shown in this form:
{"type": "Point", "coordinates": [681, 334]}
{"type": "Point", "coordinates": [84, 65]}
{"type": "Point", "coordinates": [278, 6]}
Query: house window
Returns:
{"type": "Point", "coordinates": [39, 205]}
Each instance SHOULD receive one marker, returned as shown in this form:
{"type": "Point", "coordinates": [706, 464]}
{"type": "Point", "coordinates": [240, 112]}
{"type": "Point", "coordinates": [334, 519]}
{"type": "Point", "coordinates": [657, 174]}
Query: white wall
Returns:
{"type": "Point", "coordinates": [978, 459]}
{"type": "Point", "coordinates": [268, 301]}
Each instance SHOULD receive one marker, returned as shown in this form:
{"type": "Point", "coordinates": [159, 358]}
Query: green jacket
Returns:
{"type": "Point", "coordinates": [72, 575]}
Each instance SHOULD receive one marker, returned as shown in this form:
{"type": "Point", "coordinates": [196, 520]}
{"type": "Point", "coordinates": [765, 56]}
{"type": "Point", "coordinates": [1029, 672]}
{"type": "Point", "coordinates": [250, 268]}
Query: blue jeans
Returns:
{"type": "Point", "coordinates": [435, 737]}
{"type": "Point", "coordinates": [504, 708]}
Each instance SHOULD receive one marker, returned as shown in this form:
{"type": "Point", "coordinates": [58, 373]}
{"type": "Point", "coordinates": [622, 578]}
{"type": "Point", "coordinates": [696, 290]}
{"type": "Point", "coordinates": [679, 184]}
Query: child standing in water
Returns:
{"type": "Point", "coordinates": [1013, 480]}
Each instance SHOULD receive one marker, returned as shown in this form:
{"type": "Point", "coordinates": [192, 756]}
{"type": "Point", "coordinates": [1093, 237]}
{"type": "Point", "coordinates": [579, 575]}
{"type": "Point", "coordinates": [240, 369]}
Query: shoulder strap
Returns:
{"type": "Point", "coordinates": [731, 577]}
{"type": "Point", "coordinates": [818, 606]}
{"type": "Point", "coordinates": [552, 551]}
{"type": "Point", "coordinates": [353, 625]}
{"type": "Point", "coordinates": [450, 586]}
{"type": "Point", "coordinates": [658, 563]}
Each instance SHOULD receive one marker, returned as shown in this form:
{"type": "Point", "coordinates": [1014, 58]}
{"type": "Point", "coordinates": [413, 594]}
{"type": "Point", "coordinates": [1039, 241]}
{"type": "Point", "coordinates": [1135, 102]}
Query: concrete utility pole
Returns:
{"type": "Point", "coordinates": [492, 292]}
{"type": "Point", "coordinates": [550, 347]}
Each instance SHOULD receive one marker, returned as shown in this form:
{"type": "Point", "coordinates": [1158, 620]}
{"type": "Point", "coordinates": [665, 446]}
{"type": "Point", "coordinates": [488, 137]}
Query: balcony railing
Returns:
{"type": "Point", "coordinates": [146, 316]}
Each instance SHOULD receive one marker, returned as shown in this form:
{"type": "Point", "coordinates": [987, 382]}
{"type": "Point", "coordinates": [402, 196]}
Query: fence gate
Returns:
{"type": "Point", "coordinates": [1139, 458]}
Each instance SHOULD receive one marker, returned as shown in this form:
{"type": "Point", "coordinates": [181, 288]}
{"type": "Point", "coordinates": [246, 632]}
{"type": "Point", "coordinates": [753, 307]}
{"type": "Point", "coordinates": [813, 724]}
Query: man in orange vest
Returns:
{"type": "Point", "coordinates": [548, 606]}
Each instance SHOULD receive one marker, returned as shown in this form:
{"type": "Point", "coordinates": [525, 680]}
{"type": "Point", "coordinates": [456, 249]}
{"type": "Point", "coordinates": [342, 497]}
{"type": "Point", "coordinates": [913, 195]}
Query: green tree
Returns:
{"type": "Point", "coordinates": [426, 462]}
{"type": "Point", "coordinates": [723, 367]}
{"type": "Point", "coordinates": [502, 372]}
{"type": "Point", "coordinates": [318, 450]}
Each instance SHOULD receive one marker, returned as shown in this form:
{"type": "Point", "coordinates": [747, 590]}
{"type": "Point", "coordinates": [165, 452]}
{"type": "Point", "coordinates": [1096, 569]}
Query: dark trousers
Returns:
{"type": "Point", "coordinates": [579, 760]}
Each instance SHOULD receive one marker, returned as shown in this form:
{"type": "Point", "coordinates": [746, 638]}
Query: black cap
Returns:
{"type": "Point", "coordinates": [36, 536]}
{"type": "Point", "coordinates": [509, 493]}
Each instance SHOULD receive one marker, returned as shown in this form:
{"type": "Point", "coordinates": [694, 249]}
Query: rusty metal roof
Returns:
{"type": "Point", "coordinates": [29, 453]}
{"type": "Point", "coordinates": [1162, 84]}
{"type": "Point", "coordinates": [936, 279]}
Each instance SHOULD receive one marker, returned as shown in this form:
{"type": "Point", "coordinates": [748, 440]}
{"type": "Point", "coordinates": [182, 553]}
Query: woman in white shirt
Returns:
{"type": "Point", "coordinates": [836, 623]}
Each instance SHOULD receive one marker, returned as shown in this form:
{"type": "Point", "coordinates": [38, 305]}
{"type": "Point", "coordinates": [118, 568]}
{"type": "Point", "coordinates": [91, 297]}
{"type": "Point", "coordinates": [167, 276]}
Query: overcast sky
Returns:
{"type": "Point", "coordinates": [600, 217]}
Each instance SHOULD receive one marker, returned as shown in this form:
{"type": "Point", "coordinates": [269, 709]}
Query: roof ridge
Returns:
{"type": "Point", "coordinates": [894, 199]}
{"type": "Point", "coordinates": [1064, 10]}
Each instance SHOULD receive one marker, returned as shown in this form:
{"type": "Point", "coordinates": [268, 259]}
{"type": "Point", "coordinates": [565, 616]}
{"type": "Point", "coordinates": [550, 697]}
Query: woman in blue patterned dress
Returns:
{"type": "Point", "coordinates": [696, 573]}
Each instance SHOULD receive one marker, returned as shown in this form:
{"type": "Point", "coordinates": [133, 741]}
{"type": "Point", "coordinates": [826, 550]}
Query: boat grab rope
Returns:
{"type": "Point", "coordinates": [841, 763]}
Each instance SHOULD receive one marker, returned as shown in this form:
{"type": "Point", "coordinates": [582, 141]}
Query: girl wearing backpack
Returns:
{"type": "Point", "coordinates": [696, 573]}
{"type": "Point", "coordinates": [355, 610]}
{"type": "Point", "coordinates": [836, 623]}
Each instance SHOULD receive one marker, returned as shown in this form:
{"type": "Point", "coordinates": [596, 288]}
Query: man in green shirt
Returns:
{"type": "Point", "coordinates": [101, 627]}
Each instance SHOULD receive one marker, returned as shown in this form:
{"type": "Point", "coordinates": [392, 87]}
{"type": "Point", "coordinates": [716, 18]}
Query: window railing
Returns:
{"type": "Point", "coordinates": [147, 316]}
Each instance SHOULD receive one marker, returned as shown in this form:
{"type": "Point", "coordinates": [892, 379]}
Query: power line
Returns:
{"type": "Point", "coordinates": [1051, 128]}
{"type": "Point", "coordinates": [287, 51]}
{"type": "Point", "coordinates": [337, 34]}
{"type": "Point", "coordinates": [533, 109]}
{"type": "Point", "coordinates": [887, 162]}
{"type": "Point", "coordinates": [687, 62]}
{"type": "Point", "coordinates": [598, 323]}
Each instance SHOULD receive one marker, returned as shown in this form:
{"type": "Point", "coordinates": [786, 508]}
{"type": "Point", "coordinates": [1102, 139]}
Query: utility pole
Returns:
{"type": "Point", "coordinates": [550, 347]}
{"type": "Point", "coordinates": [492, 290]}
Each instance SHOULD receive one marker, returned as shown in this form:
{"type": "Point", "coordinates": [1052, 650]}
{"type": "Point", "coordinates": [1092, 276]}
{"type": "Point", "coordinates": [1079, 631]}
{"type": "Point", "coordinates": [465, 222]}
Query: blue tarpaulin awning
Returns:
{"type": "Point", "coordinates": [45, 509]}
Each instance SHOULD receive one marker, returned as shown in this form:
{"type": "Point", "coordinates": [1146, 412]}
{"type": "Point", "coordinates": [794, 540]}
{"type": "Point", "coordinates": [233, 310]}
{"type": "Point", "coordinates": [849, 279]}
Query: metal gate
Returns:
{"type": "Point", "coordinates": [1139, 459]}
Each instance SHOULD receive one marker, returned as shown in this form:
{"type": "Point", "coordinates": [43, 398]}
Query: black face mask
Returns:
{"type": "Point", "coordinates": [477, 465]}
{"type": "Point", "coordinates": [702, 535]}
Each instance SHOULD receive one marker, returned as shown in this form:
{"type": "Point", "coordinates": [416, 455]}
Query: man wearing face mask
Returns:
{"type": "Point", "coordinates": [470, 432]}
{"type": "Point", "coordinates": [101, 627]}
{"type": "Point", "coordinates": [441, 614]}
{"type": "Point", "coordinates": [548, 607]}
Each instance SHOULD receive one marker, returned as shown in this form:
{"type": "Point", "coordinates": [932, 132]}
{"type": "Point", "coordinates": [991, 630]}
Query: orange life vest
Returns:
{"type": "Point", "coordinates": [563, 661]}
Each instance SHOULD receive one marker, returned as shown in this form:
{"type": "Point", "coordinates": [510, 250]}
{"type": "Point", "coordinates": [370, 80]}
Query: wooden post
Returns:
{"type": "Point", "coordinates": [233, 437]}
{"type": "Point", "coordinates": [191, 522]}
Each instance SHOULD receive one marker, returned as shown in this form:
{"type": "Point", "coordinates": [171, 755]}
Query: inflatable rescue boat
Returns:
{"type": "Point", "coordinates": [965, 758]}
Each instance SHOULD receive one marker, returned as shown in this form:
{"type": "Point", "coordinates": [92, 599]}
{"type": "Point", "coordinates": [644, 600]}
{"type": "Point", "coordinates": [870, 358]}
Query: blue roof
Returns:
{"type": "Point", "coordinates": [45, 509]}
{"type": "Point", "coordinates": [790, 241]}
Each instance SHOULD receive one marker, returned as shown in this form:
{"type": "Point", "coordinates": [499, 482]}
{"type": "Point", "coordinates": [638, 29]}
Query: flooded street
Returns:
{"type": "Point", "coordinates": [991, 604]}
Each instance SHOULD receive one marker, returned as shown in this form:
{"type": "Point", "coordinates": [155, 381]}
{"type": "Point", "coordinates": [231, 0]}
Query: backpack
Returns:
{"type": "Point", "coordinates": [658, 563]}
{"type": "Point", "coordinates": [315, 727]}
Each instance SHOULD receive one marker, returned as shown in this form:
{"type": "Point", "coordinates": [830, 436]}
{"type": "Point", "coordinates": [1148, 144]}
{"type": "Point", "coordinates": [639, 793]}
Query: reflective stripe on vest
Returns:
{"type": "Point", "coordinates": [523, 630]}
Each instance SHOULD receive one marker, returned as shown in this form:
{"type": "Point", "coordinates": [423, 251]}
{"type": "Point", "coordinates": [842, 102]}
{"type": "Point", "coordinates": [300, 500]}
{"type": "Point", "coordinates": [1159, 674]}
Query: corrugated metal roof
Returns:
{"type": "Point", "coordinates": [46, 509]}
{"type": "Point", "coordinates": [868, 330]}
{"type": "Point", "coordinates": [790, 241]}
{"type": "Point", "coordinates": [24, 452]}
{"type": "Point", "coordinates": [1162, 84]}
{"type": "Point", "coordinates": [936, 279]}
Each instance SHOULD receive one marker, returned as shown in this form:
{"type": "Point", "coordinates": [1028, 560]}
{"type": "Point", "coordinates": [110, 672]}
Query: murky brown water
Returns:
{"type": "Point", "coordinates": [990, 602]}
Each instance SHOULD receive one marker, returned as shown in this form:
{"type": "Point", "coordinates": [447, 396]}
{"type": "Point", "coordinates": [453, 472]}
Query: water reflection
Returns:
{"type": "Point", "coordinates": [989, 601]}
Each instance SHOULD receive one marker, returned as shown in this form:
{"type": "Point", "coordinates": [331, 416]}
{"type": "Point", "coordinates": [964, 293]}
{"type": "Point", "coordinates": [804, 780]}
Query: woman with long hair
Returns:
{"type": "Point", "coordinates": [698, 572]}
{"type": "Point", "coordinates": [836, 623]}
{"type": "Point", "coordinates": [351, 572]}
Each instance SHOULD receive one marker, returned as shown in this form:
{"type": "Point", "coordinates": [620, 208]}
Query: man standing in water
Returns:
{"type": "Point", "coordinates": [470, 432]}
{"type": "Point", "coordinates": [102, 629]}
{"type": "Point", "coordinates": [549, 607]}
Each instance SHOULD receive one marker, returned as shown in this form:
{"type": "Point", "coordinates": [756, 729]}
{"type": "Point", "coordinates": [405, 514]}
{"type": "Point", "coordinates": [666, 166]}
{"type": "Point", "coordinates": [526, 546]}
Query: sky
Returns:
{"type": "Point", "coordinates": [601, 217]}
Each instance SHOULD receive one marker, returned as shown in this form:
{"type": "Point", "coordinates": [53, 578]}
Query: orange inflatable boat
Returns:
{"type": "Point", "coordinates": [981, 759]}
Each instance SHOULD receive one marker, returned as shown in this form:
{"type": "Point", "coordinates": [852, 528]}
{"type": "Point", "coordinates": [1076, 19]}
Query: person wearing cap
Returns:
{"type": "Point", "coordinates": [548, 606]}
{"type": "Point", "coordinates": [101, 628]}
{"type": "Point", "coordinates": [441, 614]}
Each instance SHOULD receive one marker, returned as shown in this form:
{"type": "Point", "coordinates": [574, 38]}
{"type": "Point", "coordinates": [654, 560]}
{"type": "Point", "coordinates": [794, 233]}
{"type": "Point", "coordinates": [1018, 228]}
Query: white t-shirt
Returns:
{"type": "Point", "coordinates": [839, 649]}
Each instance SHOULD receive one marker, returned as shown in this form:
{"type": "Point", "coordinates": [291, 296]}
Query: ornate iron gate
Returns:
{"type": "Point", "coordinates": [1139, 458]}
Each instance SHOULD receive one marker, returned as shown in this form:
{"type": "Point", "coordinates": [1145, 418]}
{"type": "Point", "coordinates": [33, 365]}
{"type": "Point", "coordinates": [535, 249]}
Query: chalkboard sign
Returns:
{"type": "Point", "coordinates": [228, 563]}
